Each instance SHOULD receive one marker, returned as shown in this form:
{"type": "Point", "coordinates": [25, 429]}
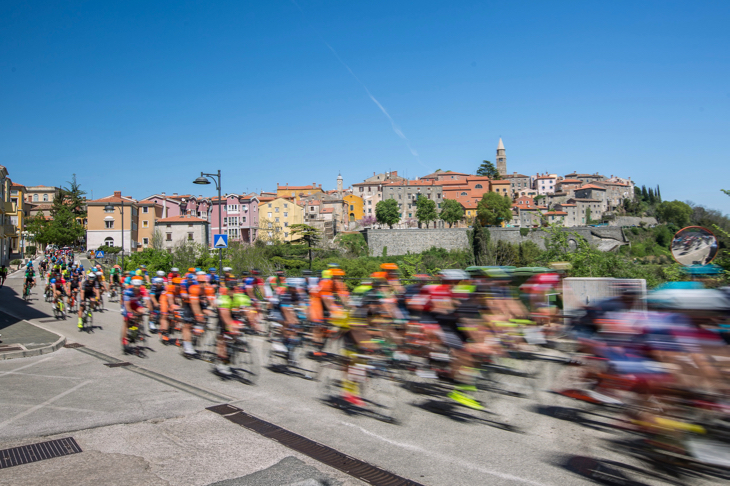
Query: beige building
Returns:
{"type": "Point", "coordinates": [276, 218]}
{"type": "Point", "coordinates": [6, 229]}
{"type": "Point", "coordinates": [182, 228]}
{"type": "Point", "coordinates": [40, 199]}
{"type": "Point", "coordinates": [113, 228]}
{"type": "Point", "coordinates": [149, 214]}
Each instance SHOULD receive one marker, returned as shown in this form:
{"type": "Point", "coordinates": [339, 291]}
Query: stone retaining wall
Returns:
{"type": "Point", "coordinates": [403, 241]}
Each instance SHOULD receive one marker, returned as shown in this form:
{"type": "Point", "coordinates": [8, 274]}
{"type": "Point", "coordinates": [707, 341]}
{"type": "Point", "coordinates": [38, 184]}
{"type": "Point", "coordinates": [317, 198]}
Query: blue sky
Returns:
{"type": "Point", "coordinates": [141, 96]}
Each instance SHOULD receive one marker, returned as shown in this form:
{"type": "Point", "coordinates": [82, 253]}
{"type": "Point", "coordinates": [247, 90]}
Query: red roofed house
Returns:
{"type": "Point", "coordinates": [177, 229]}
{"type": "Point", "coordinates": [113, 228]}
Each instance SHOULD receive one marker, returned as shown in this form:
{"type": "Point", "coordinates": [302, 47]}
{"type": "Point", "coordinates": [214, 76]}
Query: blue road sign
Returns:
{"type": "Point", "coordinates": [99, 254]}
{"type": "Point", "coordinates": [220, 241]}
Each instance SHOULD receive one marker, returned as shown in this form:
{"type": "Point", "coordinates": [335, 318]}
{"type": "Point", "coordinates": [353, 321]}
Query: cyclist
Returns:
{"type": "Point", "coordinates": [190, 293]}
{"type": "Point", "coordinates": [226, 305]}
{"type": "Point", "coordinates": [29, 279]}
{"type": "Point", "coordinates": [213, 276]}
{"type": "Point", "coordinates": [88, 293]}
{"type": "Point", "coordinates": [156, 291]}
{"type": "Point", "coordinates": [58, 285]}
{"type": "Point", "coordinates": [115, 276]}
{"type": "Point", "coordinates": [133, 307]}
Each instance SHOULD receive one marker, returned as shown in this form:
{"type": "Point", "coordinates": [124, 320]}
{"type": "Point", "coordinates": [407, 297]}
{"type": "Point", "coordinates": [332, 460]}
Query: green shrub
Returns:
{"type": "Point", "coordinates": [524, 231]}
{"type": "Point", "coordinates": [31, 250]}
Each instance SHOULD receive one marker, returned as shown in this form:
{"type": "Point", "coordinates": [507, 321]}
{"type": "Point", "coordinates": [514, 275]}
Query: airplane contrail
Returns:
{"type": "Point", "coordinates": [395, 127]}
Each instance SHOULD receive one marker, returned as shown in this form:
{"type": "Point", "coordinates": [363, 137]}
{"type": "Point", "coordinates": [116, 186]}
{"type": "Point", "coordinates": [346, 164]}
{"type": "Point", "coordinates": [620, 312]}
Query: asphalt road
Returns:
{"type": "Point", "coordinates": [140, 415]}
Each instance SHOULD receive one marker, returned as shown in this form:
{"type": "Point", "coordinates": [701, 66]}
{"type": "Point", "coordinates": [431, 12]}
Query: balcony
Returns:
{"type": "Point", "coordinates": [9, 230]}
{"type": "Point", "coordinates": [7, 207]}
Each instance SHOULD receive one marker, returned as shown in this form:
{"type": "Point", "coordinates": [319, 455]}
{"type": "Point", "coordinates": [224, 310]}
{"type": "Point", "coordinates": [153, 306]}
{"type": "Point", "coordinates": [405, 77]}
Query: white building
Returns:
{"type": "Point", "coordinates": [183, 228]}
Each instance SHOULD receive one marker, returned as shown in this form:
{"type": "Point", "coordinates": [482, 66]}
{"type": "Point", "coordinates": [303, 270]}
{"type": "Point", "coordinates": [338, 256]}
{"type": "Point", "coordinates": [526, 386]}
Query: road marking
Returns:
{"type": "Point", "coordinates": [447, 458]}
{"type": "Point", "coordinates": [66, 409]}
{"type": "Point", "coordinates": [41, 405]}
{"type": "Point", "coordinates": [26, 366]}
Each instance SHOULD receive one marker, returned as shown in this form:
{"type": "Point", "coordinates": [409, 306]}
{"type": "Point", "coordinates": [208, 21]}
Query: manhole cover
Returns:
{"type": "Point", "coordinates": [38, 452]}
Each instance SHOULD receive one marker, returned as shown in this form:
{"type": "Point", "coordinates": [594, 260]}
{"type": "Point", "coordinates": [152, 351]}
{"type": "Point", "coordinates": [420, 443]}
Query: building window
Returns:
{"type": "Point", "coordinates": [109, 241]}
{"type": "Point", "coordinates": [35, 197]}
{"type": "Point", "coordinates": [463, 194]}
{"type": "Point", "coordinates": [190, 226]}
{"type": "Point", "coordinates": [243, 219]}
{"type": "Point", "coordinates": [45, 197]}
{"type": "Point", "coordinates": [225, 220]}
{"type": "Point", "coordinates": [169, 226]}
{"type": "Point", "coordinates": [190, 237]}
{"type": "Point", "coordinates": [276, 210]}
{"type": "Point", "coordinates": [109, 224]}
{"type": "Point", "coordinates": [370, 210]}
{"type": "Point", "coordinates": [269, 215]}
{"type": "Point", "coordinates": [145, 224]}
{"type": "Point", "coordinates": [145, 241]}
{"type": "Point", "coordinates": [169, 237]}
{"type": "Point", "coordinates": [271, 225]}
{"type": "Point", "coordinates": [286, 215]}
{"type": "Point", "coordinates": [145, 209]}
{"type": "Point", "coordinates": [276, 220]}
{"type": "Point", "coordinates": [269, 204]}
{"type": "Point", "coordinates": [286, 224]}
{"type": "Point", "coordinates": [286, 205]}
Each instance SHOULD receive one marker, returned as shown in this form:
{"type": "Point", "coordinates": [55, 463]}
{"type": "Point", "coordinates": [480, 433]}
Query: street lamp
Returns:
{"type": "Point", "coordinates": [109, 208]}
{"type": "Point", "coordinates": [205, 179]}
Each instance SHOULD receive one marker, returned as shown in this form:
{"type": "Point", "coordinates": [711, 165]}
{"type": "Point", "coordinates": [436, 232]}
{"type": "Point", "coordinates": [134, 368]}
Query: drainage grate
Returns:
{"type": "Point", "coordinates": [11, 347]}
{"type": "Point", "coordinates": [117, 365]}
{"type": "Point", "coordinates": [326, 455]}
{"type": "Point", "coordinates": [73, 345]}
{"type": "Point", "coordinates": [38, 452]}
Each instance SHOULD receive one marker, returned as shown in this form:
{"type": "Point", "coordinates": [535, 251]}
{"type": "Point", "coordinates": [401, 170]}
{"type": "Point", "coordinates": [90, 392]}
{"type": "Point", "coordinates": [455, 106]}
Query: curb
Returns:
{"type": "Point", "coordinates": [27, 353]}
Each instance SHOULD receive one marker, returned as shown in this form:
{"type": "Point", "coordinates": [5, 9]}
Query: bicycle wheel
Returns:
{"type": "Point", "coordinates": [381, 394]}
{"type": "Point", "coordinates": [513, 374]}
{"type": "Point", "coordinates": [331, 376]}
{"type": "Point", "coordinates": [245, 361]}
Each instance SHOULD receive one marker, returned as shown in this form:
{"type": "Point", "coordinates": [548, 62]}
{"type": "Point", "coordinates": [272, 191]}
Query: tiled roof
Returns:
{"type": "Point", "coordinates": [513, 176]}
{"type": "Point", "coordinates": [439, 173]}
{"type": "Point", "coordinates": [180, 219]}
{"type": "Point", "coordinates": [586, 200]}
{"type": "Point", "coordinates": [113, 200]}
{"type": "Point", "coordinates": [570, 181]}
{"type": "Point", "coordinates": [565, 205]}
{"type": "Point", "coordinates": [297, 188]}
{"type": "Point", "coordinates": [326, 210]}
{"type": "Point", "coordinates": [412, 183]}
{"type": "Point", "coordinates": [500, 181]}
{"type": "Point", "coordinates": [556, 213]}
{"type": "Point", "coordinates": [545, 177]}
{"type": "Point", "coordinates": [591, 186]}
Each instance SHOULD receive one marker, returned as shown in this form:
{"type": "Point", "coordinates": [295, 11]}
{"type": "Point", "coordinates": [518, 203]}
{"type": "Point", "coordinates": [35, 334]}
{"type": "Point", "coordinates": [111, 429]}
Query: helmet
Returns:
{"type": "Point", "coordinates": [201, 277]}
{"type": "Point", "coordinates": [177, 280]}
{"type": "Point", "coordinates": [137, 282]}
{"type": "Point", "coordinates": [453, 275]}
{"type": "Point", "coordinates": [337, 272]}
{"type": "Point", "coordinates": [143, 267]}
{"type": "Point", "coordinates": [227, 269]}
{"type": "Point", "coordinates": [175, 270]}
{"type": "Point", "coordinates": [92, 276]}
{"type": "Point", "coordinates": [98, 274]}
{"type": "Point", "coordinates": [53, 280]}
{"type": "Point", "coordinates": [160, 273]}
{"type": "Point", "coordinates": [212, 269]}
{"type": "Point", "coordinates": [255, 271]}
{"type": "Point", "coordinates": [158, 280]}
{"type": "Point", "coordinates": [117, 266]}
{"type": "Point", "coordinates": [191, 270]}
{"type": "Point", "coordinates": [138, 272]}
{"type": "Point", "coordinates": [388, 266]}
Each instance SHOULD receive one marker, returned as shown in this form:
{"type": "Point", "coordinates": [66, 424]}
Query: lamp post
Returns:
{"type": "Point", "coordinates": [205, 179]}
{"type": "Point", "coordinates": [109, 208]}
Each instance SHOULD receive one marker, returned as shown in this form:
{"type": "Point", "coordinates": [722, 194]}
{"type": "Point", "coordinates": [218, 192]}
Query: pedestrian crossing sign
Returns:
{"type": "Point", "coordinates": [220, 241]}
{"type": "Point", "coordinates": [99, 254]}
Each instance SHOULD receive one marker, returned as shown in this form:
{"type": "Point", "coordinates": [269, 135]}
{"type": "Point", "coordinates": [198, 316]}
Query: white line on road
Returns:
{"type": "Point", "coordinates": [52, 407]}
{"type": "Point", "coordinates": [41, 405]}
{"type": "Point", "coordinates": [26, 366]}
{"type": "Point", "coordinates": [447, 458]}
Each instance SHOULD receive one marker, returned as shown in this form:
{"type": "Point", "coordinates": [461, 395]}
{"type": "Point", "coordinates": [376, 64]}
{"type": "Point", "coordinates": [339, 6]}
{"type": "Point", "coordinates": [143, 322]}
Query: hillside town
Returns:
{"type": "Point", "coordinates": [570, 200]}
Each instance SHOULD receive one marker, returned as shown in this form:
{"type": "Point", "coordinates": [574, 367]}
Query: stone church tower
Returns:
{"type": "Point", "coordinates": [501, 159]}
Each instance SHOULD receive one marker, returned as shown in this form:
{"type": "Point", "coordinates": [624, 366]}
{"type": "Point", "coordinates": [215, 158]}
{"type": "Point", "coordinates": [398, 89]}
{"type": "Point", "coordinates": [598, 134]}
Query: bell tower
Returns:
{"type": "Point", "coordinates": [501, 159]}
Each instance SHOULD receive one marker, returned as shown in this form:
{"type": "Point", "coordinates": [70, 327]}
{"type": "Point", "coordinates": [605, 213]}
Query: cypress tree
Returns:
{"type": "Point", "coordinates": [658, 194]}
{"type": "Point", "coordinates": [644, 194]}
{"type": "Point", "coordinates": [651, 196]}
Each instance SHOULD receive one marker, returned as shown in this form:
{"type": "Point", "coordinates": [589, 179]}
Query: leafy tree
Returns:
{"type": "Point", "coordinates": [64, 229]}
{"type": "Point", "coordinates": [663, 236]}
{"type": "Point", "coordinates": [354, 243]}
{"type": "Point", "coordinates": [73, 197]}
{"type": "Point", "coordinates": [528, 252]}
{"type": "Point", "coordinates": [244, 257]}
{"type": "Point", "coordinates": [38, 226]}
{"type": "Point", "coordinates": [154, 259]}
{"type": "Point", "coordinates": [387, 212]}
{"type": "Point", "coordinates": [487, 169]}
{"type": "Point", "coordinates": [676, 212]}
{"type": "Point", "coordinates": [426, 210]}
{"type": "Point", "coordinates": [451, 211]}
{"type": "Point", "coordinates": [158, 240]}
{"type": "Point", "coordinates": [493, 209]}
{"type": "Point", "coordinates": [303, 233]}
{"type": "Point", "coordinates": [479, 242]}
{"type": "Point", "coordinates": [588, 216]}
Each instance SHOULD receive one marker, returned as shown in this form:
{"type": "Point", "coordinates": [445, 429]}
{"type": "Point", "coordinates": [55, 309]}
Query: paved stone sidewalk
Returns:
{"type": "Point", "coordinates": [18, 332]}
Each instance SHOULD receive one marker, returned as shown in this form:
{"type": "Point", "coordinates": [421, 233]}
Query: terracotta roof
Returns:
{"type": "Point", "coordinates": [565, 205]}
{"type": "Point", "coordinates": [591, 186]}
{"type": "Point", "coordinates": [17, 185]}
{"type": "Point", "coordinates": [184, 196]}
{"type": "Point", "coordinates": [326, 210]}
{"type": "Point", "coordinates": [442, 173]}
{"type": "Point", "coordinates": [113, 200]}
{"type": "Point", "coordinates": [148, 203]}
{"type": "Point", "coordinates": [314, 202]}
{"type": "Point", "coordinates": [263, 199]}
{"type": "Point", "coordinates": [500, 181]}
{"type": "Point", "coordinates": [570, 181]}
{"type": "Point", "coordinates": [586, 200]}
{"type": "Point", "coordinates": [556, 213]}
{"type": "Point", "coordinates": [180, 219]}
{"type": "Point", "coordinates": [296, 188]}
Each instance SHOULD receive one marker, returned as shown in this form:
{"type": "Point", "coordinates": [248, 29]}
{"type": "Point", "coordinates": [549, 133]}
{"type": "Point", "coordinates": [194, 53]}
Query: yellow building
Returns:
{"type": "Point", "coordinates": [149, 213]}
{"type": "Point", "coordinates": [113, 228]}
{"type": "Point", "coordinates": [298, 192]}
{"type": "Point", "coordinates": [17, 217]}
{"type": "Point", "coordinates": [6, 229]}
{"type": "Point", "coordinates": [355, 207]}
{"type": "Point", "coordinates": [502, 187]}
{"type": "Point", "coordinates": [276, 218]}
